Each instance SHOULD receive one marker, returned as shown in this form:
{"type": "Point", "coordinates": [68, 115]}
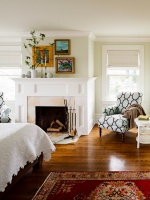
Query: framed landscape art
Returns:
{"type": "Point", "coordinates": [65, 65]}
{"type": "Point", "coordinates": [62, 47]}
{"type": "Point", "coordinates": [43, 56]}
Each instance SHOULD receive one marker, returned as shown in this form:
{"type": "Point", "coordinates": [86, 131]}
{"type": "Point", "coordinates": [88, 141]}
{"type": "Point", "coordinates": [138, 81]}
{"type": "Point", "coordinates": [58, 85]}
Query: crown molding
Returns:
{"type": "Point", "coordinates": [123, 39]}
{"type": "Point", "coordinates": [64, 34]}
{"type": "Point", "coordinates": [59, 33]}
{"type": "Point", "coordinates": [92, 36]}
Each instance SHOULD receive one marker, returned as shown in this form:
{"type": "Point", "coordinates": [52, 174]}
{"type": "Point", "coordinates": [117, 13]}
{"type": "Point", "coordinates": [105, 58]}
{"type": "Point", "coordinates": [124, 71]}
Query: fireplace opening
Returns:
{"type": "Point", "coordinates": [52, 118]}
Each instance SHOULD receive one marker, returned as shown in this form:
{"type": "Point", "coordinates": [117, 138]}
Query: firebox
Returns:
{"type": "Point", "coordinates": [52, 118]}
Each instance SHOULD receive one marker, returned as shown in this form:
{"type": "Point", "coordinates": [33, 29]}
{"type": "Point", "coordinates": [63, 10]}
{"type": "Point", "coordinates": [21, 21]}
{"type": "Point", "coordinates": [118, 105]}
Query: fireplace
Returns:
{"type": "Point", "coordinates": [31, 92]}
{"type": "Point", "coordinates": [52, 118]}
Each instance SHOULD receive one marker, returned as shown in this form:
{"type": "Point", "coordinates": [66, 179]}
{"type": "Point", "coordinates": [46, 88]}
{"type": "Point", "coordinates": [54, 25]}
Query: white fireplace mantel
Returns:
{"type": "Point", "coordinates": [81, 89]}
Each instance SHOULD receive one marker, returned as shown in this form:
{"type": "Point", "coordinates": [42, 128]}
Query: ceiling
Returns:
{"type": "Point", "coordinates": [103, 18]}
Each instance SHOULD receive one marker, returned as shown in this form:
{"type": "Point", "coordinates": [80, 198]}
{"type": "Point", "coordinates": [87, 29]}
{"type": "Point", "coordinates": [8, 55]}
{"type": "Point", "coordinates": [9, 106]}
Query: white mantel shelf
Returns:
{"type": "Point", "coordinates": [82, 89]}
{"type": "Point", "coordinates": [51, 79]}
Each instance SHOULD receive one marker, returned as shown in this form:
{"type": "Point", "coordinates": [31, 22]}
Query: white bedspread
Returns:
{"type": "Point", "coordinates": [19, 143]}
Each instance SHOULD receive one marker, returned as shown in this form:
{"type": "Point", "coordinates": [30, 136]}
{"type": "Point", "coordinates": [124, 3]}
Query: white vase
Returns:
{"type": "Point", "coordinates": [33, 73]}
{"type": "Point", "coordinates": [49, 75]}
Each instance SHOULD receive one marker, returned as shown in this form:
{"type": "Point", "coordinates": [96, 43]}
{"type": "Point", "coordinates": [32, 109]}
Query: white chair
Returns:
{"type": "Point", "coordinates": [4, 110]}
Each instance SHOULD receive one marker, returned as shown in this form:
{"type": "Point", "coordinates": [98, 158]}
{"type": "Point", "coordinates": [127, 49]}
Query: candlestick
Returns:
{"type": "Point", "coordinates": [41, 68]}
{"type": "Point", "coordinates": [45, 59]}
{"type": "Point", "coordinates": [45, 67]}
{"type": "Point", "coordinates": [45, 72]}
{"type": "Point", "coordinates": [41, 72]}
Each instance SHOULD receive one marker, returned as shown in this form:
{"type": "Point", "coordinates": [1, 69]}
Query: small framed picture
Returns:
{"type": "Point", "coordinates": [62, 47]}
{"type": "Point", "coordinates": [43, 56]}
{"type": "Point", "coordinates": [65, 65]}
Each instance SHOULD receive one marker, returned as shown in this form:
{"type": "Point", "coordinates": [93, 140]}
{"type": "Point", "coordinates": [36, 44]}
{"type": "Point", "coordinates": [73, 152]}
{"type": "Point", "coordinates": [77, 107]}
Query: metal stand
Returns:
{"type": "Point", "coordinates": [71, 121]}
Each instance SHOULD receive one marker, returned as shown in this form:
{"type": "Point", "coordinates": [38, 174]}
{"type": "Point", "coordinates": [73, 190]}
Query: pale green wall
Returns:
{"type": "Point", "coordinates": [91, 57]}
{"type": "Point", "coordinates": [79, 50]}
{"type": "Point", "coordinates": [88, 63]}
{"type": "Point", "coordinates": [98, 74]}
{"type": "Point", "coordinates": [146, 103]}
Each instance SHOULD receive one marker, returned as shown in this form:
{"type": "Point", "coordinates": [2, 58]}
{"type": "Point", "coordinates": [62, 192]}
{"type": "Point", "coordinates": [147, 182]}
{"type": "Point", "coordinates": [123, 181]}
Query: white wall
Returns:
{"type": "Point", "coordinates": [88, 63]}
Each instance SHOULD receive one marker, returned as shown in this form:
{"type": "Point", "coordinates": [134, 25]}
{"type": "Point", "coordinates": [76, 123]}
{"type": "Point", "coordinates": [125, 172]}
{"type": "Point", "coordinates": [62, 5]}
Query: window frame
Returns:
{"type": "Point", "coordinates": [15, 52]}
{"type": "Point", "coordinates": [105, 80]}
{"type": "Point", "coordinates": [10, 76]}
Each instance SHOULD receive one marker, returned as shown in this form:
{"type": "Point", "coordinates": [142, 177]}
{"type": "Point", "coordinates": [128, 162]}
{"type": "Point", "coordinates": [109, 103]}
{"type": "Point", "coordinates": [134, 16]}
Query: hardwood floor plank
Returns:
{"type": "Point", "coordinates": [89, 153]}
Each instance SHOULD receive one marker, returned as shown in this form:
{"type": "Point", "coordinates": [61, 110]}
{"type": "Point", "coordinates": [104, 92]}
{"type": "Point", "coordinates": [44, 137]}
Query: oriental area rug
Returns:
{"type": "Point", "coordinates": [95, 186]}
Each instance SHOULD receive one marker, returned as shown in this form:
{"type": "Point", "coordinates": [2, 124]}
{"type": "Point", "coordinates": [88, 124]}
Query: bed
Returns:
{"type": "Point", "coordinates": [21, 146]}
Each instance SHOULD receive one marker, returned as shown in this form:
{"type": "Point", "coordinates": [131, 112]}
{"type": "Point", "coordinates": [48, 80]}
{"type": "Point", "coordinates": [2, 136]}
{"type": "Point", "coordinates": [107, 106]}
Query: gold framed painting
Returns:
{"type": "Point", "coordinates": [62, 47]}
{"type": "Point", "coordinates": [65, 65]}
{"type": "Point", "coordinates": [42, 56]}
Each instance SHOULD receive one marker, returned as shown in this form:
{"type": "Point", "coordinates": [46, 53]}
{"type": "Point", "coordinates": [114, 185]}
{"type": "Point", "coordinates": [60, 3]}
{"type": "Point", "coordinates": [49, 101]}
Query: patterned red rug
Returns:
{"type": "Point", "coordinates": [95, 186]}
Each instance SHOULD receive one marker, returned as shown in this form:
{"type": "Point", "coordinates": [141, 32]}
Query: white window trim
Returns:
{"type": "Point", "coordinates": [105, 48]}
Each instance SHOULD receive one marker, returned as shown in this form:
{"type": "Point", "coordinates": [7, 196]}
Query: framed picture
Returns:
{"type": "Point", "coordinates": [42, 56]}
{"type": "Point", "coordinates": [62, 47]}
{"type": "Point", "coordinates": [65, 65]}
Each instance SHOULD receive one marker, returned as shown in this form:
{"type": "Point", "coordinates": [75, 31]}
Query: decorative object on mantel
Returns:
{"type": "Point", "coordinates": [33, 73]}
{"type": "Point", "coordinates": [45, 72]}
{"type": "Point", "coordinates": [49, 75]}
{"type": "Point", "coordinates": [43, 56]}
{"type": "Point", "coordinates": [33, 41]}
{"type": "Point", "coordinates": [39, 56]}
{"type": "Point", "coordinates": [42, 72]}
{"type": "Point", "coordinates": [31, 47]}
{"type": "Point", "coordinates": [65, 65]}
{"type": "Point", "coordinates": [28, 75]}
{"type": "Point", "coordinates": [62, 47]}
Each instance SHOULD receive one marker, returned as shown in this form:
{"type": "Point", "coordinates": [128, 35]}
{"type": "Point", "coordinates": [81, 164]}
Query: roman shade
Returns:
{"type": "Point", "coordinates": [10, 56]}
{"type": "Point", "coordinates": [123, 58]}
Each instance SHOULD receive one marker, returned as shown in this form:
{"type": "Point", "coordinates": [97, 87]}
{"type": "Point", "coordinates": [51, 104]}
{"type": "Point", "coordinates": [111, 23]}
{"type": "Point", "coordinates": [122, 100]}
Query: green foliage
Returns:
{"type": "Point", "coordinates": [31, 47]}
{"type": "Point", "coordinates": [51, 44]}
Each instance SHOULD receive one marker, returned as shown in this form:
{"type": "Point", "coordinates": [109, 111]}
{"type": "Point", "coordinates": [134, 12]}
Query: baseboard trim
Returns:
{"type": "Point", "coordinates": [97, 116]}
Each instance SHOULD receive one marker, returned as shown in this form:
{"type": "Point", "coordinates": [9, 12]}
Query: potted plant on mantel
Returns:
{"type": "Point", "coordinates": [31, 47]}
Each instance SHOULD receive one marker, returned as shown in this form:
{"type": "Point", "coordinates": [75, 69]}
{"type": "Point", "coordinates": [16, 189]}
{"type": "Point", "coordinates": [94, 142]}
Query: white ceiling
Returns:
{"type": "Point", "coordinates": [104, 18]}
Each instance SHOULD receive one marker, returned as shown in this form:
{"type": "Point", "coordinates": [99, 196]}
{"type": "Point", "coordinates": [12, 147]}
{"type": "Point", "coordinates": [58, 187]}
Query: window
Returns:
{"type": "Point", "coordinates": [10, 67]}
{"type": "Point", "coordinates": [122, 70]}
{"type": "Point", "coordinates": [7, 85]}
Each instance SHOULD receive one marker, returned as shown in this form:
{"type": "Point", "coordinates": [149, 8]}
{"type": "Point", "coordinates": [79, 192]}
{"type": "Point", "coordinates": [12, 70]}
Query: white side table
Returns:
{"type": "Point", "coordinates": [143, 132]}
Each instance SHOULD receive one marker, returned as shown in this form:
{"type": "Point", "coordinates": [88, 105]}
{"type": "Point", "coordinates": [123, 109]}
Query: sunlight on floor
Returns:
{"type": "Point", "coordinates": [116, 164]}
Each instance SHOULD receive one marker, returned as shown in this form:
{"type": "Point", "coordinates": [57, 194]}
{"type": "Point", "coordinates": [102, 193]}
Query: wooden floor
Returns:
{"type": "Point", "coordinates": [90, 153]}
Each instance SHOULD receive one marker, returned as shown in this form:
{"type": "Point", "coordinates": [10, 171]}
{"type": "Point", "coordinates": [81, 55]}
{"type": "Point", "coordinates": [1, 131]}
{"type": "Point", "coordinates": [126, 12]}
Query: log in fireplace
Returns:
{"type": "Point", "coordinates": [52, 118]}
